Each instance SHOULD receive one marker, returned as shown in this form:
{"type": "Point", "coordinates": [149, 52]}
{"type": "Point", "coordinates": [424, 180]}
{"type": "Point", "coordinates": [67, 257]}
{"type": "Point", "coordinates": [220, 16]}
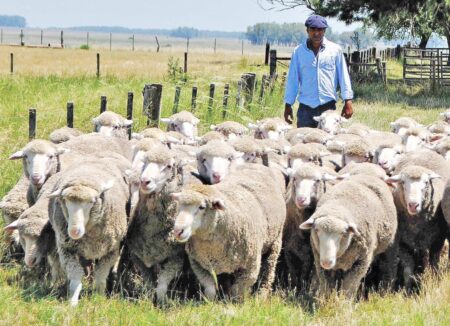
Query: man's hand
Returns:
{"type": "Point", "coordinates": [347, 111]}
{"type": "Point", "coordinates": [288, 116]}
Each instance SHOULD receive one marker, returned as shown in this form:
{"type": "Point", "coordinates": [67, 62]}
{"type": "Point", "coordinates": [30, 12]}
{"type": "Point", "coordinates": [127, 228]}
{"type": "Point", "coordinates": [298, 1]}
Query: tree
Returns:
{"type": "Point", "coordinates": [12, 21]}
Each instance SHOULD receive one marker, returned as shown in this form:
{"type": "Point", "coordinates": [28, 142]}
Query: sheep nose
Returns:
{"type": "Point", "coordinates": [75, 233]}
{"type": "Point", "coordinates": [30, 262]}
{"type": "Point", "coordinates": [35, 178]}
{"type": "Point", "coordinates": [412, 206]}
{"type": "Point", "coordinates": [216, 176]}
{"type": "Point", "coordinates": [301, 200]}
{"type": "Point", "coordinates": [326, 263]}
{"type": "Point", "coordinates": [145, 182]}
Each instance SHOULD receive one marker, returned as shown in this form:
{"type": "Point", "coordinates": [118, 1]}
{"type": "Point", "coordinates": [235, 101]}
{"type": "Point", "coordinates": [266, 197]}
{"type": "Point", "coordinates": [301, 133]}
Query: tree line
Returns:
{"type": "Point", "coordinates": [12, 21]}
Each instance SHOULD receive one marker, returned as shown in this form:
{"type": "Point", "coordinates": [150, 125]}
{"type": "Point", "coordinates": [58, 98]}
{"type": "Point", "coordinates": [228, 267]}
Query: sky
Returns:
{"type": "Point", "coordinates": [224, 15]}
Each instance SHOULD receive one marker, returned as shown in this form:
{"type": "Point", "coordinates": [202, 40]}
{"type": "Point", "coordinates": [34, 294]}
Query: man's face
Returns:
{"type": "Point", "coordinates": [315, 34]}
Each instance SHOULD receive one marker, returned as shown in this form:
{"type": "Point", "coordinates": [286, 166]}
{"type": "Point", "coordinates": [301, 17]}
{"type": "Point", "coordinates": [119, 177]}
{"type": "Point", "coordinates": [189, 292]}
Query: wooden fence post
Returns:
{"type": "Point", "coordinates": [31, 124]}
{"type": "Point", "coordinates": [263, 88]}
{"type": "Point", "coordinates": [248, 86]}
{"type": "Point", "coordinates": [103, 104]}
{"type": "Point", "coordinates": [215, 45]}
{"type": "Point", "coordinates": [157, 44]}
{"type": "Point", "coordinates": [70, 114]}
{"type": "Point", "coordinates": [130, 111]}
{"type": "Point", "coordinates": [62, 39]}
{"type": "Point", "coordinates": [226, 92]}
{"type": "Point", "coordinates": [194, 99]}
{"type": "Point", "coordinates": [176, 100]}
{"type": "Point", "coordinates": [98, 65]}
{"type": "Point", "coordinates": [273, 63]}
{"type": "Point", "coordinates": [355, 58]}
{"type": "Point", "coordinates": [12, 62]}
{"type": "Point", "coordinates": [110, 41]}
{"type": "Point", "coordinates": [398, 52]}
{"type": "Point", "coordinates": [433, 74]}
{"type": "Point", "coordinates": [238, 93]}
{"type": "Point", "coordinates": [22, 43]}
{"type": "Point", "coordinates": [42, 36]}
{"type": "Point", "coordinates": [212, 88]}
{"type": "Point", "coordinates": [266, 56]}
{"type": "Point", "coordinates": [242, 49]}
{"type": "Point", "coordinates": [152, 103]}
{"type": "Point", "coordinates": [185, 62]}
{"type": "Point", "coordinates": [87, 39]}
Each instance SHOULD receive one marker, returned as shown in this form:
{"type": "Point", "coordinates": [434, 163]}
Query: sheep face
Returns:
{"type": "Point", "coordinates": [446, 116]}
{"type": "Point", "coordinates": [111, 124]}
{"type": "Point", "coordinates": [330, 122]}
{"type": "Point", "coordinates": [40, 160]}
{"type": "Point", "coordinates": [331, 237]}
{"type": "Point", "coordinates": [347, 159]}
{"type": "Point", "coordinates": [134, 184]}
{"type": "Point", "coordinates": [443, 148]}
{"type": "Point", "coordinates": [215, 168]}
{"type": "Point", "coordinates": [81, 205]}
{"type": "Point", "coordinates": [196, 213]}
{"type": "Point", "coordinates": [155, 176]}
{"type": "Point", "coordinates": [413, 142]}
{"type": "Point", "coordinates": [388, 157]}
{"type": "Point", "coordinates": [250, 157]}
{"type": "Point", "coordinates": [186, 128]}
{"type": "Point", "coordinates": [415, 188]}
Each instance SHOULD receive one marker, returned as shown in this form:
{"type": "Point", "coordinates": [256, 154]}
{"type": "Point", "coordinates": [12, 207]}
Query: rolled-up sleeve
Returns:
{"type": "Point", "coordinates": [344, 77]}
{"type": "Point", "coordinates": [292, 83]}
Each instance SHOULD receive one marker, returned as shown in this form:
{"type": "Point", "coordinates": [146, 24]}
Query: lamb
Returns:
{"type": "Point", "coordinates": [148, 239]}
{"type": "Point", "coordinates": [14, 203]}
{"type": "Point", "coordinates": [306, 186]}
{"type": "Point", "coordinates": [234, 227]}
{"type": "Point", "coordinates": [270, 128]}
{"type": "Point", "coordinates": [215, 159]}
{"type": "Point", "coordinates": [89, 218]}
{"type": "Point", "coordinates": [112, 124]}
{"type": "Point", "coordinates": [314, 135]}
{"type": "Point", "coordinates": [421, 178]}
{"type": "Point", "coordinates": [230, 129]}
{"type": "Point", "coordinates": [183, 122]}
{"type": "Point", "coordinates": [401, 124]}
{"type": "Point", "coordinates": [354, 222]}
{"type": "Point", "coordinates": [158, 134]}
{"type": "Point", "coordinates": [330, 121]}
{"type": "Point", "coordinates": [63, 134]}
{"type": "Point", "coordinates": [388, 156]}
{"type": "Point", "coordinates": [36, 233]}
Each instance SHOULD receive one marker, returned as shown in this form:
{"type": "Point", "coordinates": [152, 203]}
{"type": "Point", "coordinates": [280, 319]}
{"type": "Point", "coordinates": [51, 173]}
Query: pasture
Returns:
{"type": "Point", "coordinates": [47, 79]}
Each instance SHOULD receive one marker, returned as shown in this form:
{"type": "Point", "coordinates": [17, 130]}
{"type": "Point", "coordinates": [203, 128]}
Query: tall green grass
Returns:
{"type": "Point", "coordinates": [374, 105]}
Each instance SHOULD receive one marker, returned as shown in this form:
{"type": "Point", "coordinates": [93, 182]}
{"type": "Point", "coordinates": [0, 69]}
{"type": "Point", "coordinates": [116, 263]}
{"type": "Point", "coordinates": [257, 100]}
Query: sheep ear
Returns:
{"type": "Point", "coordinates": [17, 155]}
{"type": "Point", "coordinates": [212, 127]}
{"type": "Point", "coordinates": [172, 140]}
{"type": "Point", "coordinates": [307, 225]}
{"type": "Point", "coordinates": [252, 126]}
{"type": "Point", "coordinates": [351, 228]}
{"type": "Point", "coordinates": [166, 120]}
{"type": "Point", "coordinates": [434, 175]}
{"type": "Point", "coordinates": [317, 119]}
{"type": "Point", "coordinates": [436, 137]}
{"type": "Point", "coordinates": [195, 121]}
{"type": "Point", "coordinates": [328, 177]}
{"type": "Point", "coordinates": [11, 227]}
{"type": "Point", "coordinates": [107, 185]}
{"type": "Point", "coordinates": [343, 119]}
{"type": "Point", "coordinates": [62, 150]}
{"type": "Point", "coordinates": [287, 149]}
{"type": "Point", "coordinates": [55, 194]}
{"type": "Point", "coordinates": [324, 153]}
{"type": "Point", "coordinates": [218, 203]}
{"type": "Point", "coordinates": [95, 121]}
{"type": "Point", "coordinates": [392, 179]}
{"type": "Point", "coordinates": [128, 172]}
{"type": "Point", "coordinates": [238, 155]}
{"type": "Point", "coordinates": [127, 122]}
{"type": "Point", "coordinates": [289, 172]}
{"type": "Point", "coordinates": [136, 135]}
{"type": "Point", "coordinates": [343, 176]}
{"type": "Point", "coordinates": [175, 196]}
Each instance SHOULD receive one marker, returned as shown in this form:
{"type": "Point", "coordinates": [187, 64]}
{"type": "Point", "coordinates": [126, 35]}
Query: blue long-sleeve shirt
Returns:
{"type": "Point", "coordinates": [314, 79]}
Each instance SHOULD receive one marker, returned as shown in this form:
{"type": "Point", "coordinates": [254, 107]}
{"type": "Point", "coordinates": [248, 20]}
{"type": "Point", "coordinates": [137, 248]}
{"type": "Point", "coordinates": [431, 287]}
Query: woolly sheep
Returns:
{"type": "Point", "coordinates": [230, 129]}
{"type": "Point", "coordinates": [442, 147]}
{"type": "Point", "coordinates": [251, 149]}
{"type": "Point", "coordinates": [401, 124]}
{"type": "Point", "coordinates": [330, 121]}
{"type": "Point", "coordinates": [306, 186]}
{"type": "Point", "coordinates": [214, 160]}
{"type": "Point", "coordinates": [234, 227]}
{"type": "Point", "coordinates": [363, 168]}
{"type": "Point", "coordinates": [112, 124]}
{"type": "Point", "coordinates": [270, 128]}
{"type": "Point", "coordinates": [353, 223]}
{"type": "Point", "coordinates": [356, 129]}
{"type": "Point", "coordinates": [210, 135]}
{"type": "Point", "coordinates": [89, 218]}
{"type": "Point", "coordinates": [148, 237]}
{"type": "Point", "coordinates": [356, 151]}
{"type": "Point", "coordinates": [183, 122]}
{"type": "Point", "coordinates": [158, 134]}
{"type": "Point", "coordinates": [439, 127]}
{"type": "Point", "coordinates": [445, 116]}
{"type": "Point", "coordinates": [415, 137]}
{"type": "Point", "coordinates": [63, 134]}
{"type": "Point", "coordinates": [302, 153]}
{"type": "Point", "coordinates": [388, 156]}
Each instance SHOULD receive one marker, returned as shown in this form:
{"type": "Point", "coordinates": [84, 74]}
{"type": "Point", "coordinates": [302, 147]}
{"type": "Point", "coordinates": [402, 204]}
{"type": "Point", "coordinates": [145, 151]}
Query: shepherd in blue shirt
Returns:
{"type": "Point", "coordinates": [317, 67]}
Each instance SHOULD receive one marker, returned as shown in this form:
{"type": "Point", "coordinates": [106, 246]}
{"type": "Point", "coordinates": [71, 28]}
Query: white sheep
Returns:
{"type": "Point", "coordinates": [270, 128]}
{"type": "Point", "coordinates": [234, 227]}
{"type": "Point", "coordinates": [353, 223]}
{"type": "Point", "coordinates": [63, 134]}
{"type": "Point", "coordinates": [445, 116]}
{"type": "Point", "coordinates": [183, 122]}
{"type": "Point", "coordinates": [401, 124]}
{"type": "Point", "coordinates": [112, 124]}
{"type": "Point", "coordinates": [330, 121]}
{"type": "Point", "coordinates": [230, 129]}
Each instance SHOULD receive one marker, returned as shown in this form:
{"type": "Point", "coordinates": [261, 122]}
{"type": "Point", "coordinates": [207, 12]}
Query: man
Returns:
{"type": "Point", "coordinates": [317, 67]}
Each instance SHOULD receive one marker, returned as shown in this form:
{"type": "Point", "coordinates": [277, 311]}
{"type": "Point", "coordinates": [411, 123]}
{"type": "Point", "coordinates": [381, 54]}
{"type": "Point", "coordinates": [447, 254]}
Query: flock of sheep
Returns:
{"type": "Point", "coordinates": [316, 209]}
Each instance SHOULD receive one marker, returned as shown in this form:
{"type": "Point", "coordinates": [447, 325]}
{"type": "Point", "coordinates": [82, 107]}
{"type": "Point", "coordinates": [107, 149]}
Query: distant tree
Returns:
{"type": "Point", "coordinates": [12, 21]}
{"type": "Point", "coordinates": [185, 32]}
{"type": "Point", "coordinates": [285, 34]}
{"type": "Point", "coordinates": [356, 40]}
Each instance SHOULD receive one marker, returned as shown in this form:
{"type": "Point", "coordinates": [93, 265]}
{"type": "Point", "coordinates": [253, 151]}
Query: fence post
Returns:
{"type": "Point", "coordinates": [132, 42]}
{"type": "Point", "coordinates": [176, 100]}
{"type": "Point", "coordinates": [355, 58]}
{"type": "Point", "coordinates": [103, 104]}
{"type": "Point", "coordinates": [185, 62]}
{"type": "Point", "coordinates": [98, 65]}
{"type": "Point", "coordinates": [242, 50]}
{"type": "Point", "coordinates": [21, 38]}
{"type": "Point", "coordinates": [110, 41]}
{"type": "Point", "coordinates": [12, 62]}
{"type": "Point", "coordinates": [87, 39]}
{"type": "Point", "coordinates": [212, 88]}
{"type": "Point", "coordinates": [433, 72]}
{"type": "Point", "coordinates": [398, 52]}
{"type": "Point", "coordinates": [248, 86]}
{"type": "Point", "coordinates": [62, 39]}
{"type": "Point", "coordinates": [238, 93]}
{"type": "Point", "coordinates": [152, 103]}
{"type": "Point", "coordinates": [42, 36]}
{"type": "Point", "coordinates": [130, 111]}
{"type": "Point", "coordinates": [194, 99]}
{"type": "Point", "coordinates": [263, 88]}
{"type": "Point", "coordinates": [1, 36]}
{"type": "Point", "coordinates": [266, 56]}
{"type": "Point", "coordinates": [157, 44]}
{"type": "Point", "coordinates": [215, 45]}
{"type": "Point", "coordinates": [31, 124]}
{"type": "Point", "coordinates": [226, 92]}
{"type": "Point", "coordinates": [70, 114]}
{"type": "Point", "coordinates": [273, 63]}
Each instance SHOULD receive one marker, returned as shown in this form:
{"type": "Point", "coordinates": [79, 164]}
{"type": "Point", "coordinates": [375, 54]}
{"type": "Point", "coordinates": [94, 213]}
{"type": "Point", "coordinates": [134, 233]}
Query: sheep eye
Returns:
{"type": "Point", "coordinates": [202, 207]}
{"type": "Point", "coordinates": [169, 166]}
{"type": "Point", "coordinates": [204, 160]}
{"type": "Point", "coordinates": [230, 159]}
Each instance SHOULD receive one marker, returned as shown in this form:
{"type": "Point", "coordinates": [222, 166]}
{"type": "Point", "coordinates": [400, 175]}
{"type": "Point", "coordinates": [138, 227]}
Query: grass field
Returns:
{"type": "Point", "coordinates": [48, 79]}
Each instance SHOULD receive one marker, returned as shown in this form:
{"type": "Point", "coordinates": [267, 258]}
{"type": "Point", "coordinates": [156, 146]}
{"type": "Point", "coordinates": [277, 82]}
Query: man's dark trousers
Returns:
{"type": "Point", "coordinates": [305, 114]}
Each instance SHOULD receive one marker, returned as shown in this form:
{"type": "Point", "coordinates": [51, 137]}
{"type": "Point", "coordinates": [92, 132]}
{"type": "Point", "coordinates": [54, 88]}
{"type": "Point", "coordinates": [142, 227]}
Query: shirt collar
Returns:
{"type": "Point", "coordinates": [322, 45]}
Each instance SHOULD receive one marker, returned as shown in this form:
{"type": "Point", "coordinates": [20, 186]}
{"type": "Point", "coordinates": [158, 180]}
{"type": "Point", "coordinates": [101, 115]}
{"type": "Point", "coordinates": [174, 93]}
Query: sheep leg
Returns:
{"type": "Point", "coordinates": [104, 266]}
{"type": "Point", "coordinates": [269, 267]}
{"type": "Point", "coordinates": [388, 267]}
{"type": "Point", "coordinates": [245, 279]}
{"type": "Point", "coordinates": [353, 277]}
{"type": "Point", "coordinates": [205, 279]}
{"type": "Point", "coordinates": [75, 273]}
{"type": "Point", "coordinates": [168, 272]}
